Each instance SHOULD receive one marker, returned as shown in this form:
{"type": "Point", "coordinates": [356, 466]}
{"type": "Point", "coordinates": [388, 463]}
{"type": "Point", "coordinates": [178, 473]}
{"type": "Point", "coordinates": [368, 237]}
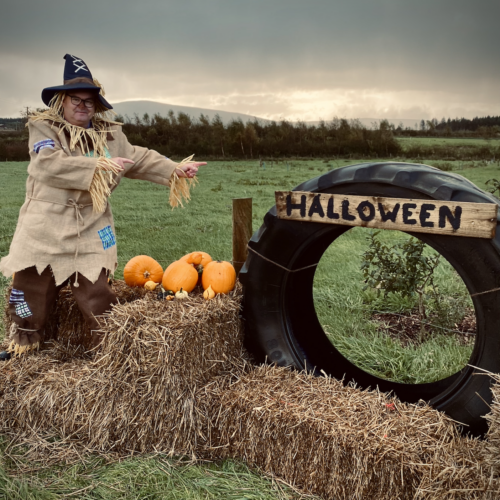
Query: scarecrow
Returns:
{"type": "Point", "coordinates": [65, 232]}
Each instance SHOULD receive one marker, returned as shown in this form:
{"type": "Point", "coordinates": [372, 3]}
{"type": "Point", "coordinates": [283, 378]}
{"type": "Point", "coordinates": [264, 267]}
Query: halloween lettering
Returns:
{"type": "Point", "coordinates": [443, 217]}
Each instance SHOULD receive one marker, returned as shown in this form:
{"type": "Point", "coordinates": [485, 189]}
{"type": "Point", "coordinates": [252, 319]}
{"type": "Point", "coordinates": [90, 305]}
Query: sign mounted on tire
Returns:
{"type": "Point", "coordinates": [478, 220]}
{"type": "Point", "coordinates": [279, 315]}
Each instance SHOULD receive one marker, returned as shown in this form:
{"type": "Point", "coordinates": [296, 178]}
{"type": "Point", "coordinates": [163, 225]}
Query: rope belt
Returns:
{"type": "Point", "coordinates": [79, 222]}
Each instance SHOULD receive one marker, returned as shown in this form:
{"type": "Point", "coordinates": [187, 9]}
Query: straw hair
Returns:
{"type": "Point", "coordinates": [88, 140]}
{"type": "Point", "coordinates": [91, 141]}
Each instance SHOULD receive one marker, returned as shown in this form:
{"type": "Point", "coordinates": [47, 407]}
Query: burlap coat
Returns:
{"type": "Point", "coordinates": [57, 226]}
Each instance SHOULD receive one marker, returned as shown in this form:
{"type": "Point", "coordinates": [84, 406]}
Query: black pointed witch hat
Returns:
{"type": "Point", "coordinates": [77, 76]}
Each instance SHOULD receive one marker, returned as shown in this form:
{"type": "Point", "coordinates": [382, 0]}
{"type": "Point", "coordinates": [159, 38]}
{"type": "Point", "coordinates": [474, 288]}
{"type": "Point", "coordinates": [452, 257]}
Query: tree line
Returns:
{"type": "Point", "coordinates": [178, 135]}
{"type": "Point", "coordinates": [487, 127]}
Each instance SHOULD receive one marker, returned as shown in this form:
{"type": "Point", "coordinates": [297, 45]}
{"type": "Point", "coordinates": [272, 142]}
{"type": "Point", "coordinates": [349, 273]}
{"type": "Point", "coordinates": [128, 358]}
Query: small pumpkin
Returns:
{"type": "Point", "coordinates": [205, 258]}
{"type": "Point", "coordinates": [165, 294]}
{"type": "Point", "coordinates": [209, 294]}
{"type": "Point", "coordinates": [179, 275]}
{"type": "Point", "coordinates": [150, 285]}
{"type": "Point", "coordinates": [141, 269]}
{"type": "Point", "coordinates": [195, 259]}
{"type": "Point", "coordinates": [220, 275]}
{"type": "Point", "coordinates": [181, 294]}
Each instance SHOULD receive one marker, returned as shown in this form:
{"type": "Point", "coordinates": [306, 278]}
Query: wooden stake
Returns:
{"type": "Point", "coordinates": [242, 230]}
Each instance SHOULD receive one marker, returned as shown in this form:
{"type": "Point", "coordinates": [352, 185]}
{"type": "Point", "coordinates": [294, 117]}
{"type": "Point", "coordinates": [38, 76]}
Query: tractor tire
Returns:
{"type": "Point", "coordinates": [280, 321]}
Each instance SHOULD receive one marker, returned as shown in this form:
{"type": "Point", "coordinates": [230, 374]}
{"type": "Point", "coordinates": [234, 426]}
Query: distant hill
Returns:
{"type": "Point", "coordinates": [129, 108]}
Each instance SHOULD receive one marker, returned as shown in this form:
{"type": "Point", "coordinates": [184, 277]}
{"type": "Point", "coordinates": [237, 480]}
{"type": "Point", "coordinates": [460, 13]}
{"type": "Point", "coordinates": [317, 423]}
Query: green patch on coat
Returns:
{"type": "Point", "coordinates": [91, 154]}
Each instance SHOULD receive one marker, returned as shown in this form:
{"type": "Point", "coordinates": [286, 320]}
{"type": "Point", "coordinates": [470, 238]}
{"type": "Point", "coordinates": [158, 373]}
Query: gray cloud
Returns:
{"type": "Point", "coordinates": [264, 57]}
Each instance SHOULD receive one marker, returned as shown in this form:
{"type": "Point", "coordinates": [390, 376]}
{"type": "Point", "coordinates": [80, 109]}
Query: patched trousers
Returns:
{"type": "Point", "coordinates": [34, 296]}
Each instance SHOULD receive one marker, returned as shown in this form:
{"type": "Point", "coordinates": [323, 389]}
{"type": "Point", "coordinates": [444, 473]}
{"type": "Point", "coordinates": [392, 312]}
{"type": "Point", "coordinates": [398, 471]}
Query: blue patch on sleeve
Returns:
{"type": "Point", "coordinates": [107, 237]}
{"type": "Point", "coordinates": [46, 143]}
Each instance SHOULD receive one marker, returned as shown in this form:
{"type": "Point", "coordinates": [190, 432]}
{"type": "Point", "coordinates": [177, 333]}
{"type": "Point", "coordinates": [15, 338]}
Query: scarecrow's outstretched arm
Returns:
{"type": "Point", "coordinates": [149, 165]}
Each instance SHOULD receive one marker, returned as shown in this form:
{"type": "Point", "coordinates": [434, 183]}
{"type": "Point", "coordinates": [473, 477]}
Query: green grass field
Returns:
{"type": "Point", "coordinates": [145, 224]}
{"type": "Point", "coordinates": [447, 141]}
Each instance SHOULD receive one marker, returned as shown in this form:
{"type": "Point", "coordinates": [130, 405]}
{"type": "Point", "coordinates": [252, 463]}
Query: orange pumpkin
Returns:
{"type": "Point", "coordinates": [205, 258]}
{"type": "Point", "coordinates": [179, 275]}
{"type": "Point", "coordinates": [220, 275]}
{"type": "Point", "coordinates": [141, 269]}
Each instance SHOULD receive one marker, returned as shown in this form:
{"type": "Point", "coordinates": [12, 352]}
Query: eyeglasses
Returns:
{"type": "Point", "coordinates": [88, 103]}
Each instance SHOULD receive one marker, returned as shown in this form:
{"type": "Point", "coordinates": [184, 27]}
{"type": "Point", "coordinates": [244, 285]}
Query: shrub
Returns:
{"type": "Point", "coordinates": [401, 269]}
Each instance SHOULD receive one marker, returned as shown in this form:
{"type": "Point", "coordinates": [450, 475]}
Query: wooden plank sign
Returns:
{"type": "Point", "coordinates": [476, 220]}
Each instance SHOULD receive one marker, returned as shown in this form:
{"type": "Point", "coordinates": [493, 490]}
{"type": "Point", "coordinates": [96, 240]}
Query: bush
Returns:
{"type": "Point", "coordinates": [401, 269]}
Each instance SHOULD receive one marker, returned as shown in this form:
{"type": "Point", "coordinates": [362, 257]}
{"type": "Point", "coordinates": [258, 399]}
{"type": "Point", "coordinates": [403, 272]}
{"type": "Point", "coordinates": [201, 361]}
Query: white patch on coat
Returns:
{"type": "Point", "coordinates": [46, 143]}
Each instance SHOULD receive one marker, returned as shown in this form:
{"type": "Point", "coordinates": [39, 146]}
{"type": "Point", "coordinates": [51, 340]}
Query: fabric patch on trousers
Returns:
{"type": "Point", "coordinates": [16, 296]}
{"type": "Point", "coordinates": [107, 237]}
{"type": "Point", "coordinates": [23, 310]}
{"type": "Point", "coordinates": [46, 143]}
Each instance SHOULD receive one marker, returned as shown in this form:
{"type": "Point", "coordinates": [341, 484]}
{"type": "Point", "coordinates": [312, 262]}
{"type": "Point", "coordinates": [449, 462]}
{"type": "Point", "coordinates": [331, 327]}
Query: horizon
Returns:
{"type": "Point", "coordinates": [199, 110]}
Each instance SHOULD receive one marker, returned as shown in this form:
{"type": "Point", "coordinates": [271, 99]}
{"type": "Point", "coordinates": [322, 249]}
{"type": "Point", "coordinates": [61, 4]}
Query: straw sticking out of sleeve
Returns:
{"type": "Point", "coordinates": [180, 186]}
{"type": "Point", "coordinates": [100, 188]}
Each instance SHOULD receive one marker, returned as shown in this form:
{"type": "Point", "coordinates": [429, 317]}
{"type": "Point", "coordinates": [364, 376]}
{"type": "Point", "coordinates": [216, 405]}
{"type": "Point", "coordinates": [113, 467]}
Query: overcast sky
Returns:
{"type": "Point", "coordinates": [294, 59]}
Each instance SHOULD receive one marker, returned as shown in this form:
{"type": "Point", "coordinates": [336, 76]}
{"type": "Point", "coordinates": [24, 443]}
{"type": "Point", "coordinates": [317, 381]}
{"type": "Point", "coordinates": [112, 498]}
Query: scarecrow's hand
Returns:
{"type": "Point", "coordinates": [122, 161]}
{"type": "Point", "coordinates": [189, 169]}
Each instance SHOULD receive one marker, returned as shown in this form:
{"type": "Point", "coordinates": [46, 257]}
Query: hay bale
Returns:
{"type": "Point", "coordinates": [492, 445]}
{"type": "Point", "coordinates": [138, 394]}
{"type": "Point", "coordinates": [340, 442]}
{"type": "Point", "coordinates": [174, 377]}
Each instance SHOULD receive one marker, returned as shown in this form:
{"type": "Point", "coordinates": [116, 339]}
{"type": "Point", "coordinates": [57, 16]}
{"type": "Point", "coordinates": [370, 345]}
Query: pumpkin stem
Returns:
{"type": "Point", "coordinates": [147, 274]}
